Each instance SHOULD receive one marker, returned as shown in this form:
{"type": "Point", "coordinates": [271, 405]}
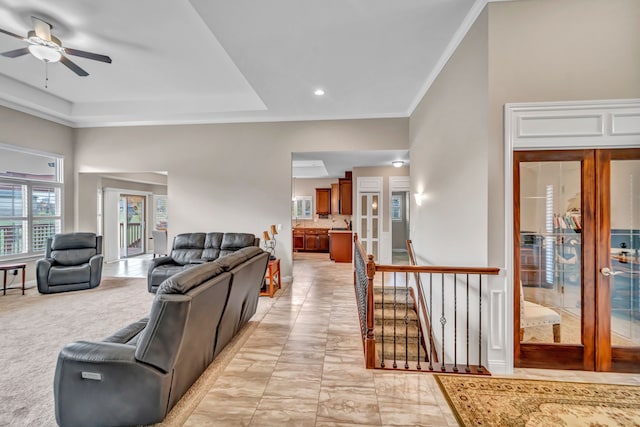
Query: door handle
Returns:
{"type": "Point", "coordinates": [606, 272]}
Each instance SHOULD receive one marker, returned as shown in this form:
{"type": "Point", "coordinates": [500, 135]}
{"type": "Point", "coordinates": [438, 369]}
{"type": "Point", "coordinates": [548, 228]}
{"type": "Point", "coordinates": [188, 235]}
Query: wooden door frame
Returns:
{"type": "Point", "coordinates": [609, 358]}
{"type": "Point", "coordinates": [552, 355]}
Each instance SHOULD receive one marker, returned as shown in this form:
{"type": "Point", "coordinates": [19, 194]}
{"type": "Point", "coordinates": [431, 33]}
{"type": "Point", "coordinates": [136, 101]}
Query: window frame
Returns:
{"type": "Point", "coordinates": [29, 218]}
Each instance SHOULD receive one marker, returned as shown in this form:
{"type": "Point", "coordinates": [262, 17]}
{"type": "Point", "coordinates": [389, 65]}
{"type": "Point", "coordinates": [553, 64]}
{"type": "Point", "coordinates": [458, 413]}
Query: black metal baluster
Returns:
{"type": "Point", "coordinates": [431, 321]}
{"type": "Point", "coordinates": [395, 316]}
{"type": "Point", "coordinates": [467, 368]}
{"type": "Point", "coordinates": [382, 338]}
{"type": "Point", "coordinates": [480, 325]}
{"type": "Point", "coordinates": [419, 324]}
{"type": "Point", "coordinates": [406, 321]}
{"type": "Point", "coordinates": [443, 321]}
{"type": "Point", "coordinates": [455, 323]}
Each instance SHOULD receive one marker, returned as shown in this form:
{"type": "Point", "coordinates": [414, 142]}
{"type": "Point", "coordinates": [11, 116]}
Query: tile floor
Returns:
{"type": "Point", "coordinates": [303, 365]}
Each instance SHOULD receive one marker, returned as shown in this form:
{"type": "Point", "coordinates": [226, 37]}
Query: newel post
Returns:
{"type": "Point", "coordinates": [370, 341]}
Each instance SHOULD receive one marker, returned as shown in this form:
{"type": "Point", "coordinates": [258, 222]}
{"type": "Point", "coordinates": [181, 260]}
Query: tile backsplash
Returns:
{"type": "Point", "coordinates": [337, 221]}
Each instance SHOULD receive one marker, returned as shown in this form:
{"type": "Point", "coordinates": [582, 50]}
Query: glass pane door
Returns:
{"type": "Point", "coordinates": [550, 252]}
{"type": "Point", "coordinates": [624, 256]}
{"type": "Point", "coordinates": [132, 214]}
{"type": "Point", "coordinates": [369, 223]}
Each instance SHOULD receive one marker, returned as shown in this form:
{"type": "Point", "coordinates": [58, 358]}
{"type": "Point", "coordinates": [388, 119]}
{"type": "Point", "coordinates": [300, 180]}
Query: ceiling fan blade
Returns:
{"type": "Point", "coordinates": [88, 55]}
{"type": "Point", "coordinates": [42, 28]}
{"type": "Point", "coordinates": [9, 33]}
{"type": "Point", "coordinates": [73, 67]}
{"type": "Point", "coordinates": [15, 53]}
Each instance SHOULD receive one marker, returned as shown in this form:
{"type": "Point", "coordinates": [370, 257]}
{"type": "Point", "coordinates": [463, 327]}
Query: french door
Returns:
{"type": "Point", "coordinates": [369, 227]}
{"type": "Point", "coordinates": [577, 237]}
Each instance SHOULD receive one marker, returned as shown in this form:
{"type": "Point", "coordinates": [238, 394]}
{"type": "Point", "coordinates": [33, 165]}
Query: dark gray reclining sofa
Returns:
{"type": "Point", "coordinates": [139, 373]}
{"type": "Point", "coordinates": [191, 249]}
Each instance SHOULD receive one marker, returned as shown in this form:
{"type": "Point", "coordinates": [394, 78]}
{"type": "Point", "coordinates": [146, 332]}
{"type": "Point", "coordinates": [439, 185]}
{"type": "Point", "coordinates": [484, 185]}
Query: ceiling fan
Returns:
{"type": "Point", "coordinates": [48, 48]}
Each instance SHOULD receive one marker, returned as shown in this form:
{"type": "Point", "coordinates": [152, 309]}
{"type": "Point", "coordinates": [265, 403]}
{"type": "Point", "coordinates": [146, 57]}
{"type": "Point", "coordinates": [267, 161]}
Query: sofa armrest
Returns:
{"type": "Point", "coordinates": [42, 273]}
{"type": "Point", "coordinates": [102, 383]}
{"type": "Point", "coordinates": [159, 261]}
{"type": "Point", "coordinates": [95, 263]}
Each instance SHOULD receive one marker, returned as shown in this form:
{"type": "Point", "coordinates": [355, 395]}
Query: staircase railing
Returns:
{"type": "Point", "coordinates": [424, 315]}
{"type": "Point", "coordinates": [391, 281]}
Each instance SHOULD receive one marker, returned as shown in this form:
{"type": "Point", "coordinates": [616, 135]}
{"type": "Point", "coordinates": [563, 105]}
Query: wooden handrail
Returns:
{"type": "Point", "coordinates": [365, 269]}
{"type": "Point", "coordinates": [490, 271]}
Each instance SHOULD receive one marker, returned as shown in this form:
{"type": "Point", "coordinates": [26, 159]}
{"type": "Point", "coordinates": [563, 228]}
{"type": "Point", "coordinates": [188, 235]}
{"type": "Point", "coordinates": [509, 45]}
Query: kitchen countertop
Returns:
{"type": "Point", "coordinates": [341, 231]}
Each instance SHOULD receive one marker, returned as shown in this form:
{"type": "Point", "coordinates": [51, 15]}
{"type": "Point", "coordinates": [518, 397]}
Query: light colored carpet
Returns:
{"type": "Point", "coordinates": [35, 327]}
{"type": "Point", "coordinates": [491, 401]}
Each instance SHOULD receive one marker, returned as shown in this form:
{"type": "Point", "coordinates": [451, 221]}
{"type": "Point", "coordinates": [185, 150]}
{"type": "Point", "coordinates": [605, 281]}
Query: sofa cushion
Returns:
{"type": "Point", "coordinates": [189, 278]}
{"type": "Point", "coordinates": [212, 246]}
{"type": "Point", "coordinates": [186, 247]}
{"type": "Point", "coordinates": [236, 258]}
{"type": "Point", "coordinates": [73, 256]}
{"type": "Point", "coordinates": [234, 241]}
{"type": "Point", "coordinates": [73, 241]}
{"type": "Point", "coordinates": [69, 274]}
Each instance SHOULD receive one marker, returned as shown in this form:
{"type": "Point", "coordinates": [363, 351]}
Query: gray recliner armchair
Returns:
{"type": "Point", "coordinates": [72, 261]}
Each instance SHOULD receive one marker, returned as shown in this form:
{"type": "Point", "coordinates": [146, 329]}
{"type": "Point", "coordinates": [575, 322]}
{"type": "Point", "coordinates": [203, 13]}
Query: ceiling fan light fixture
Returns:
{"type": "Point", "coordinates": [45, 53]}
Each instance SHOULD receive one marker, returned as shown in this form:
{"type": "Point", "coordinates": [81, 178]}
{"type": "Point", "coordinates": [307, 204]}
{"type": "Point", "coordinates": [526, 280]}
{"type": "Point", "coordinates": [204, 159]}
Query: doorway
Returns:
{"type": "Point", "coordinates": [576, 243]}
{"type": "Point", "coordinates": [399, 227]}
{"type": "Point", "coordinates": [132, 211]}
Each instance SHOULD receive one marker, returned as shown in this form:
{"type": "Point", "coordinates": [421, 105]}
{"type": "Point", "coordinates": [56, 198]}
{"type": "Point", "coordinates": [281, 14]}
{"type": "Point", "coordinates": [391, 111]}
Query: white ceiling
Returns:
{"type": "Point", "coordinates": [211, 61]}
{"type": "Point", "coordinates": [336, 163]}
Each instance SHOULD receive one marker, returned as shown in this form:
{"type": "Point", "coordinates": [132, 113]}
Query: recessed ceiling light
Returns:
{"type": "Point", "coordinates": [318, 92]}
{"type": "Point", "coordinates": [397, 163]}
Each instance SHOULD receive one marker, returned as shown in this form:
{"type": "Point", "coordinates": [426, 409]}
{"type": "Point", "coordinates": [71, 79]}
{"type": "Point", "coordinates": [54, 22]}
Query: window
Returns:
{"type": "Point", "coordinates": [396, 207]}
{"type": "Point", "coordinates": [30, 201]}
{"type": "Point", "coordinates": [301, 207]}
{"type": "Point", "coordinates": [160, 216]}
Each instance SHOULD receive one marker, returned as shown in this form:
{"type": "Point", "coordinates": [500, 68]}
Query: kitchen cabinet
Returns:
{"type": "Point", "coordinates": [346, 202]}
{"type": "Point", "coordinates": [341, 245]}
{"type": "Point", "coordinates": [298, 239]}
{"type": "Point", "coordinates": [323, 201]}
{"type": "Point", "coordinates": [311, 239]}
{"type": "Point", "coordinates": [335, 199]}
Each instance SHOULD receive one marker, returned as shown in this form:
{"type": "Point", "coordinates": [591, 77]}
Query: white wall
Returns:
{"type": "Point", "coordinates": [230, 177]}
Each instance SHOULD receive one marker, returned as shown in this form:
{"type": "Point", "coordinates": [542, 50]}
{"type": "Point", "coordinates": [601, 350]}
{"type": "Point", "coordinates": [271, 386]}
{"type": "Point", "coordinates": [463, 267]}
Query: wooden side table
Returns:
{"type": "Point", "coordinates": [9, 267]}
{"type": "Point", "coordinates": [271, 278]}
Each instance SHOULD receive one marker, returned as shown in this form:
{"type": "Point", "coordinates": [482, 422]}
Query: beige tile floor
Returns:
{"type": "Point", "coordinates": [303, 365]}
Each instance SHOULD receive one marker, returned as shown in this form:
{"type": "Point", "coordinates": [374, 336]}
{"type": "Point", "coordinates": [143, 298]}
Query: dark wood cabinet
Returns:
{"type": "Point", "coordinates": [311, 239]}
{"type": "Point", "coordinates": [346, 203]}
{"type": "Point", "coordinates": [335, 199]}
{"type": "Point", "coordinates": [323, 201]}
{"type": "Point", "coordinates": [323, 241]}
{"type": "Point", "coordinates": [298, 239]}
{"type": "Point", "coordinates": [341, 244]}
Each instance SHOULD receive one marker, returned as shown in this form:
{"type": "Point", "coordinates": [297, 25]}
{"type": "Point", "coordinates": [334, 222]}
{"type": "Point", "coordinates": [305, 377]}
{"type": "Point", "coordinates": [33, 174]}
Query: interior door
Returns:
{"type": "Point", "coordinates": [618, 260]}
{"type": "Point", "coordinates": [577, 213]}
{"type": "Point", "coordinates": [369, 218]}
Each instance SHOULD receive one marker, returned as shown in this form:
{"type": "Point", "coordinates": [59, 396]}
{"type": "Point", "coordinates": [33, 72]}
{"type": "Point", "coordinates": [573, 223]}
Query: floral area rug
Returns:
{"type": "Point", "coordinates": [491, 401]}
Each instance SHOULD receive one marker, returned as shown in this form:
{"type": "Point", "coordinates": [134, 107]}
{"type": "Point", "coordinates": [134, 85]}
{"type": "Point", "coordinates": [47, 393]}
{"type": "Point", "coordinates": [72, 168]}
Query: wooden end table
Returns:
{"type": "Point", "coordinates": [271, 278]}
{"type": "Point", "coordinates": [9, 267]}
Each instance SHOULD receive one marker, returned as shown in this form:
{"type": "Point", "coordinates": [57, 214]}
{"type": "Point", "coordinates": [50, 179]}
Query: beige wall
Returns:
{"type": "Point", "coordinates": [230, 177]}
{"type": "Point", "coordinates": [449, 158]}
{"type": "Point", "coordinates": [24, 130]}
{"type": "Point", "coordinates": [385, 172]}
{"type": "Point", "coordinates": [554, 50]}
